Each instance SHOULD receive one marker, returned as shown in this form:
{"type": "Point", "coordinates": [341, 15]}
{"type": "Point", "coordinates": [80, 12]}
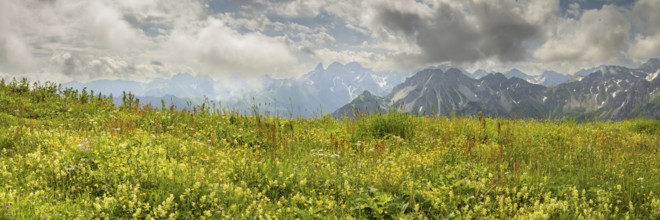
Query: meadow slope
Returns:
{"type": "Point", "coordinates": [68, 154]}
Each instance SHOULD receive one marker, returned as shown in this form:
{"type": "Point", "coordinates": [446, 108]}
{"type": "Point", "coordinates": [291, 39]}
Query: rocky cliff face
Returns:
{"type": "Point", "coordinates": [611, 92]}
{"type": "Point", "coordinates": [433, 92]}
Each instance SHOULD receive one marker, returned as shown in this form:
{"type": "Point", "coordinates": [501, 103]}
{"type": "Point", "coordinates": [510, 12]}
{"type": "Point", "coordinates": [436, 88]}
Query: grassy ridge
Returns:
{"type": "Point", "coordinates": [67, 154]}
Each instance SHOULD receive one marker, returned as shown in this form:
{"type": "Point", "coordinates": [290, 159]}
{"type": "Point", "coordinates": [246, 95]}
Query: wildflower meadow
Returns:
{"type": "Point", "coordinates": [67, 154]}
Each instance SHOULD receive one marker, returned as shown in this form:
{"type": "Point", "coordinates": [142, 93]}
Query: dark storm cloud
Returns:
{"type": "Point", "coordinates": [69, 66]}
{"type": "Point", "coordinates": [504, 32]}
{"type": "Point", "coordinates": [449, 37]}
{"type": "Point", "coordinates": [477, 31]}
{"type": "Point", "coordinates": [407, 22]}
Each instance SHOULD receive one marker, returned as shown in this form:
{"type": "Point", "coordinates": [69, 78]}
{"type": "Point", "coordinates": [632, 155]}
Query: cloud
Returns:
{"type": "Point", "coordinates": [600, 35]}
{"type": "Point", "coordinates": [297, 8]}
{"type": "Point", "coordinates": [217, 47]}
{"type": "Point", "coordinates": [86, 67]}
{"type": "Point", "coordinates": [118, 39]}
{"type": "Point", "coordinates": [466, 32]}
{"type": "Point", "coordinates": [280, 8]}
{"type": "Point", "coordinates": [85, 25]}
{"type": "Point", "coordinates": [32, 30]}
{"type": "Point", "coordinates": [646, 20]}
{"type": "Point", "coordinates": [127, 39]}
{"type": "Point", "coordinates": [404, 17]}
{"type": "Point", "coordinates": [645, 46]}
{"type": "Point", "coordinates": [346, 56]}
{"type": "Point", "coordinates": [103, 26]}
{"type": "Point", "coordinates": [15, 52]}
{"type": "Point", "coordinates": [86, 40]}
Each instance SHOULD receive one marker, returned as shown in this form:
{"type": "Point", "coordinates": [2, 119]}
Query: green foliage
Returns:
{"type": "Point", "coordinates": [647, 126]}
{"type": "Point", "coordinates": [66, 156]}
{"type": "Point", "coordinates": [383, 125]}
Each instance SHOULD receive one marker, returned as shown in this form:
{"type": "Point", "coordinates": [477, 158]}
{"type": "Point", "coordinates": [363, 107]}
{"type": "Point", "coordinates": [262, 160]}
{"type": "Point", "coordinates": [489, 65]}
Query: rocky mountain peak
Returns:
{"type": "Point", "coordinates": [319, 67]}
{"type": "Point", "coordinates": [651, 66]}
{"type": "Point", "coordinates": [494, 77]}
{"type": "Point", "coordinates": [609, 92]}
{"type": "Point", "coordinates": [335, 66]}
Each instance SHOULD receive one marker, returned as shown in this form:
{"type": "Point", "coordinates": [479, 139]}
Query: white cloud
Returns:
{"type": "Point", "coordinates": [31, 31]}
{"type": "Point", "coordinates": [40, 76]}
{"type": "Point", "coordinates": [374, 60]}
{"type": "Point", "coordinates": [646, 20]}
{"type": "Point", "coordinates": [538, 11]}
{"type": "Point", "coordinates": [255, 23]}
{"type": "Point", "coordinates": [103, 26]}
{"type": "Point", "coordinates": [645, 46]}
{"type": "Point", "coordinates": [15, 52]}
{"type": "Point", "coordinates": [119, 39]}
{"type": "Point", "coordinates": [600, 35]}
{"type": "Point", "coordinates": [218, 48]}
{"type": "Point", "coordinates": [87, 67]}
{"type": "Point", "coordinates": [296, 8]}
{"type": "Point", "coordinates": [166, 14]}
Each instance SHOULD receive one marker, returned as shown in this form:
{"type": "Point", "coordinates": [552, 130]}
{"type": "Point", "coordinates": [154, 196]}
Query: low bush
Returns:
{"type": "Point", "coordinates": [383, 125]}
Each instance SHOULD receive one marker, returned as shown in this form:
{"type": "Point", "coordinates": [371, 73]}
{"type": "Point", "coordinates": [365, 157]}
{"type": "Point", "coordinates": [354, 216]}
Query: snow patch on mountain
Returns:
{"type": "Point", "coordinates": [652, 76]}
{"type": "Point", "coordinates": [403, 93]}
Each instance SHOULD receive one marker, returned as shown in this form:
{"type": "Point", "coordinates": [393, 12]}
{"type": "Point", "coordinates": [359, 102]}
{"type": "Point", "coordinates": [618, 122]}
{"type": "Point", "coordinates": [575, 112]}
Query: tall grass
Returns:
{"type": "Point", "coordinates": [61, 158]}
{"type": "Point", "coordinates": [382, 125]}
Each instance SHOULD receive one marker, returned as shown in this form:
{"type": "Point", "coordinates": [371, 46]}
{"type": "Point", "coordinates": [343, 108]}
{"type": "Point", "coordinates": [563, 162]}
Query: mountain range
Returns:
{"type": "Point", "coordinates": [322, 90]}
{"type": "Point", "coordinates": [604, 92]}
{"type": "Point", "coordinates": [609, 92]}
{"type": "Point", "coordinates": [547, 78]}
{"type": "Point", "coordinates": [182, 90]}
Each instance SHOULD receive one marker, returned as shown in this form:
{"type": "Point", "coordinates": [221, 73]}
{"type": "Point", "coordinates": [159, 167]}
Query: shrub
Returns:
{"type": "Point", "coordinates": [383, 125]}
{"type": "Point", "coordinates": [647, 126]}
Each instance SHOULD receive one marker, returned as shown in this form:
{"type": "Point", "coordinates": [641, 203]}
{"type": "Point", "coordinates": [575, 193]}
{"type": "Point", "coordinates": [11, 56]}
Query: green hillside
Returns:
{"type": "Point", "coordinates": [68, 154]}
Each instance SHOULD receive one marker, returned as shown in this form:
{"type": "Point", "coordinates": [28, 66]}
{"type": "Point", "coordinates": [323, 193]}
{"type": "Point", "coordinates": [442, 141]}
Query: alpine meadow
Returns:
{"type": "Point", "coordinates": [74, 155]}
{"type": "Point", "coordinates": [318, 109]}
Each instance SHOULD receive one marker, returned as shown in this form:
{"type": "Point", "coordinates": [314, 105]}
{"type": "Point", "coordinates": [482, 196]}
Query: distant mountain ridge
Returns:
{"type": "Point", "coordinates": [547, 78]}
{"type": "Point", "coordinates": [610, 92]}
{"type": "Point", "coordinates": [433, 92]}
{"type": "Point", "coordinates": [606, 92]}
{"type": "Point", "coordinates": [182, 90]}
{"type": "Point", "coordinates": [322, 90]}
{"type": "Point", "coordinates": [182, 85]}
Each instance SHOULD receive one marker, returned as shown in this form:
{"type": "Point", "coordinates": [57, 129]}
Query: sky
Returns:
{"type": "Point", "coordinates": [64, 40]}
